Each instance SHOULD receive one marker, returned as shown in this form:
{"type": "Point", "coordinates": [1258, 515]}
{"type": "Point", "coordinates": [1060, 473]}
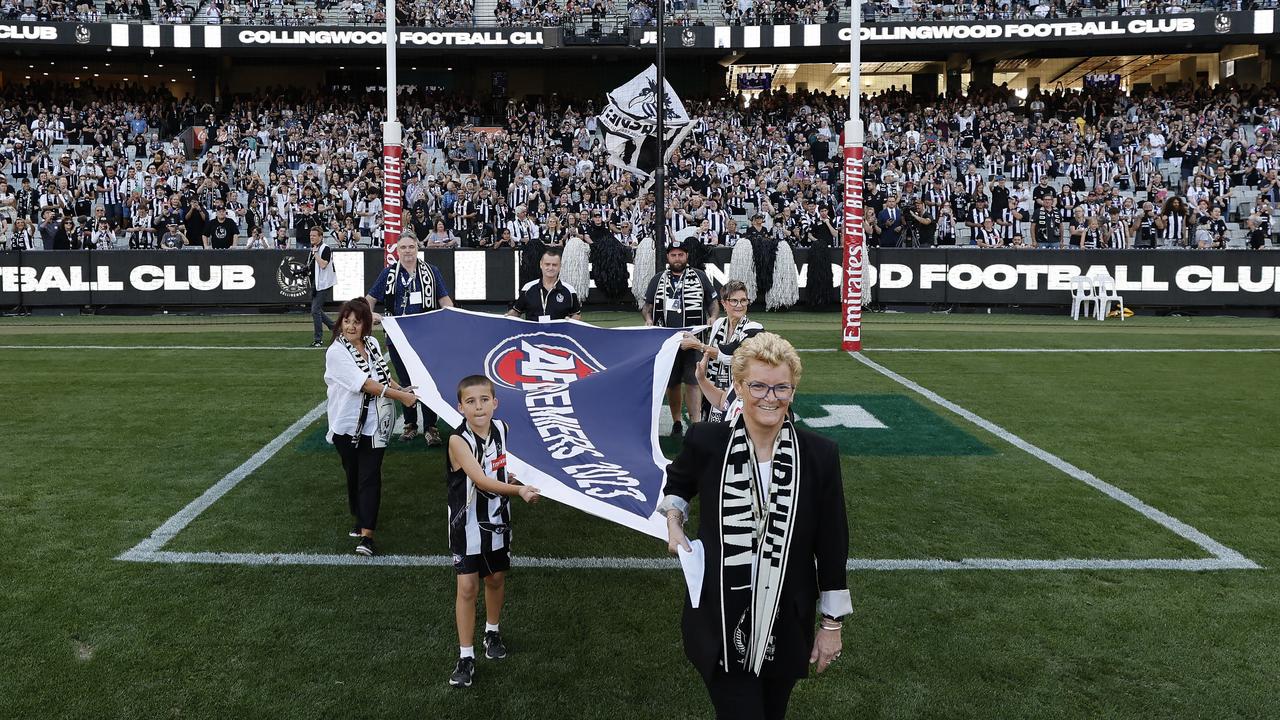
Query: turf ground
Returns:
{"type": "Point", "coordinates": [1094, 536]}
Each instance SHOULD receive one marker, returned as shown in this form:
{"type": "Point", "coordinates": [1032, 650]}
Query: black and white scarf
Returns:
{"type": "Point", "coordinates": [375, 366]}
{"type": "Point", "coordinates": [687, 293]}
{"type": "Point", "coordinates": [755, 535]}
{"type": "Point", "coordinates": [718, 372]}
{"type": "Point", "coordinates": [426, 281]}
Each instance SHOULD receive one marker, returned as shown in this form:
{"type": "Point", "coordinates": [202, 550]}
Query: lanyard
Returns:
{"type": "Point", "coordinates": [543, 297]}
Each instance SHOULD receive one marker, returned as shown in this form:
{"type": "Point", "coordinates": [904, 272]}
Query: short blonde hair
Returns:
{"type": "Point", "coordinates": [770, 349]}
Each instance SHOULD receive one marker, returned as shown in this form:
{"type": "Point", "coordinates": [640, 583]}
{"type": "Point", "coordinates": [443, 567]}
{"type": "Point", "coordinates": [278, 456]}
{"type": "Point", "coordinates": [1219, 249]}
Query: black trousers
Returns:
{"type": "Point", "coordinates": [410, 413]}
{"type": "Point", "coordinates": [318, 318]}
{"type": "Point", "coordinates": [742, 696]}
{"type": "Point", "coordinates": [363, 466]}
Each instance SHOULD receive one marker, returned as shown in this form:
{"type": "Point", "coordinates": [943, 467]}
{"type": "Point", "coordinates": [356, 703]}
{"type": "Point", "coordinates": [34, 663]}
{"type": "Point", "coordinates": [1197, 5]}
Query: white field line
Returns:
{"type": "Point", "coordinates": [150, 550]}
{"type": "Point", "coordinates": [1174, 525]}
{"type": "Point", "coordinates": [290, 348]}
{"type": "Point", "coordinates": [303, 348]}
{"type": "Point", "coordinates": [174, 525]}
{"type": "Point", "coordinates": [1069, 350]}
{"type": "Point", "coordinates": [624, 563]}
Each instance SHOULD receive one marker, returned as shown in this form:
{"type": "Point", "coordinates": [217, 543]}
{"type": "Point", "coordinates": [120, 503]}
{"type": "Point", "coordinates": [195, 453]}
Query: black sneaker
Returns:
{"type": "Point", "coordinates": [677, 430]}
{"type": "Point", "coordinates": [317, 343]}
{"type": "Point", "coordinates": [354, 531]}
{"type": "Point", "coordinates": [493, 647]}
{"type": "Point", "coordinates": [365, 547]}
{"type": "Point", "coordinates": [432, 436]}
{"type": "Point", "coordinates": [463, 672]}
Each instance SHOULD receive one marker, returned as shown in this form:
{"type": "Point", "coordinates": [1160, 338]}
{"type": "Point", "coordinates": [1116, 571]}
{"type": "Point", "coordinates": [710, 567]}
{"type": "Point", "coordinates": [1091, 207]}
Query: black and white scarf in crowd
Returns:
{"type": "Point", "coordinates": [682, 295]}
{"type": "Point", "coordinates": [755, 535]}
{"type": "Point", "coordinates": [376, 368]}
{"type": "Point", "coordinates": [426, 281]}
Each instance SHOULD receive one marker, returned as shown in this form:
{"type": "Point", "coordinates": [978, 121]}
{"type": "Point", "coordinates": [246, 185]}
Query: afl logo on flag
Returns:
{"type": "Point", "coordinates": [526, 362]}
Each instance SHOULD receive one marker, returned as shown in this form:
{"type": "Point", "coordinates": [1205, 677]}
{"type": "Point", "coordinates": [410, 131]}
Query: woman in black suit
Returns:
{"type": "Point", "coordinates": [776, 540]}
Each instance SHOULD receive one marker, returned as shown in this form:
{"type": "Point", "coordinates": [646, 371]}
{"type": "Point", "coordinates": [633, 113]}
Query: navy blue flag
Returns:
{"type": "Point", "coordinates": [582, 402]}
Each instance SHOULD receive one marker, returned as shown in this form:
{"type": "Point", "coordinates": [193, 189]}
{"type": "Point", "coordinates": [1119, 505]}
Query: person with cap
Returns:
{"type": "Point", "coordinates": [221, 232]}
{"type": "Point", "coordinates": [681, 297]}
{"type": "Point", "coordinates": [173, 238]}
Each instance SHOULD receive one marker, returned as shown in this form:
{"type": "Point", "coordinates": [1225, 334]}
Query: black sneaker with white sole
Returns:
{"type": "Point", "coordinates": [493, 647]}
{"type": "Point", "coordinates": [463, 672]}
{"type": "Point", "coordinates": [354, 531]}
{"type": "Point", "coordinates": [365, 547]}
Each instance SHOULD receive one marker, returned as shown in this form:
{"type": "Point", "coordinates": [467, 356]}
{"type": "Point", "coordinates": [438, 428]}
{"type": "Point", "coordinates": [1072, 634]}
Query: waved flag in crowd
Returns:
{"type": "Point", "coordinates": [582, 402]}
{"type": "Point", "coordinates": [629, 123]}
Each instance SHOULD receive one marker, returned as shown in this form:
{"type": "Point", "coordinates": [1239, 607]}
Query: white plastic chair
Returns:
{"type": "Point", "coordinates": [1082, 293]}
{"type": "Point", "coordinates": [1106, 294]}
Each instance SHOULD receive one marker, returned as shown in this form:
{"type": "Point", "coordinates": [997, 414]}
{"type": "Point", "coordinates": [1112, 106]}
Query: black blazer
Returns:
{"type": "Point", "coordinates": [818, 556]}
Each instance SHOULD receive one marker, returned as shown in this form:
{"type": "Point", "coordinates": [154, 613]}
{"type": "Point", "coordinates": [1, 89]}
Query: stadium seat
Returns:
{"type": "Point", "coordinates": [1083, 293]}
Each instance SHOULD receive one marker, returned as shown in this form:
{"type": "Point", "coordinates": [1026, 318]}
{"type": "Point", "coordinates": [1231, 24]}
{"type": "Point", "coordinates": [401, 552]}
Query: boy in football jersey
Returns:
{"type": "Point", "coordinates": [479, 487]}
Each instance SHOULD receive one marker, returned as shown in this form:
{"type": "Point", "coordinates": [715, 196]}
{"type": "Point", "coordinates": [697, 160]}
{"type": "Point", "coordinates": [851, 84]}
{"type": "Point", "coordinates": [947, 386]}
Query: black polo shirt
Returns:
{"type": "Point", "coordinates": [535, 301]}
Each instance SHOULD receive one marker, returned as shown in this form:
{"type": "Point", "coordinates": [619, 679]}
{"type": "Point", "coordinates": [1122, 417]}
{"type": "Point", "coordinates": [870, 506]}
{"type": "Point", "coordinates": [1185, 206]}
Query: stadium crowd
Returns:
{"type": "Point", "coordinates": [551, 13]}
{"type": "Point", "coordinates": [1176, 167]}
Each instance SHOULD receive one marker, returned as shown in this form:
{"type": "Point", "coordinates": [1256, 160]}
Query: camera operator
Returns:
{"type": "Point", "coordinates": [920, 225]}
{"type": "Point", "coordinates": [1144, 228]}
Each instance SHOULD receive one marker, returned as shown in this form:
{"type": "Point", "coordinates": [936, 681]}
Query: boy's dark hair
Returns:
{"type": "Point", "coordinates": [471, 381]}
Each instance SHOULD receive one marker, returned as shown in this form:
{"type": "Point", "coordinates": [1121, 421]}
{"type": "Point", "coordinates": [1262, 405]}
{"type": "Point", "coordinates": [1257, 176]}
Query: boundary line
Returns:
{"type": "Point", "coordinates": [180, 520]}
{"type": "Point", "coordinates": [289, 348]}
{"type": "Point", "coordinates": [1174, 525]}
{"type": "Point", "coordinates": [1072, 350]}
{"type": "Point", "coordinates": [149, 550]}
{"type": "Point", "coordinates": [624, 563]}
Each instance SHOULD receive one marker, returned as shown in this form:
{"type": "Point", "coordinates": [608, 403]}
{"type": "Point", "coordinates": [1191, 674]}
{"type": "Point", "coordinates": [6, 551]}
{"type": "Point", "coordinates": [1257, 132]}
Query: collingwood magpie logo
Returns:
{"type": "Point", "coordinates": [688, 37]}
{"type": "Point", "coordinates": [291, 276]}
{"type": "Point", "coordinates": [539, 360]}
{"type": "Point", "coordinates": [1222, 23]}
{"type": "Point", "coordinates": [82, 35]}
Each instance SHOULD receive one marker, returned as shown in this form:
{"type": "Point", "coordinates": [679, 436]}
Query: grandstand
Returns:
{"type": "Point", "coordinates": [1051, 518]}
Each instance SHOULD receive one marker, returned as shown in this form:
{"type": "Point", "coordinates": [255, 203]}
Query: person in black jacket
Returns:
{"type": "Point", "coordinates": [775, 534]}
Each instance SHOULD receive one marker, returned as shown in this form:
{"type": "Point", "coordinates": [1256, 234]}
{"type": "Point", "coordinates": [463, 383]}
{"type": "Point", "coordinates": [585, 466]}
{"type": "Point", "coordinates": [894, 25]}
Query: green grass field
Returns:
{"type": "Point", "coordinates": [101, 447]}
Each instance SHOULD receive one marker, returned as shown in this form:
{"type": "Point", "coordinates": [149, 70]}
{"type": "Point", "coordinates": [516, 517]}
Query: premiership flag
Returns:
{"type": "Point", "coordinates": [629, 124]}
{"type": "Point", "coordinates": [582, 402]}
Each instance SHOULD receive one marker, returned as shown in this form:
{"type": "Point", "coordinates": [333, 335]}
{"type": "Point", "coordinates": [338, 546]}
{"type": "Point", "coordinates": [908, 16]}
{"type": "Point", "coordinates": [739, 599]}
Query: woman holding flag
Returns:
{"type": "Point", "coordinates": [727, 333]}
{"type": "Point", "coordinates": [776, 541]}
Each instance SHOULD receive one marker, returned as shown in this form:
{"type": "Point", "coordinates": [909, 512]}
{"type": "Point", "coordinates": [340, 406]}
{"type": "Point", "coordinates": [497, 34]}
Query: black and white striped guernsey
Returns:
{"type": "Point", "coordinates": [479, 522]}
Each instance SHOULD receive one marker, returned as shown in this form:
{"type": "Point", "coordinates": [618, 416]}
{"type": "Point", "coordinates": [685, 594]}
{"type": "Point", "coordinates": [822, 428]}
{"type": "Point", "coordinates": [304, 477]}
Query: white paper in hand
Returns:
{"type": "Point", "coordinates": [693, 563]}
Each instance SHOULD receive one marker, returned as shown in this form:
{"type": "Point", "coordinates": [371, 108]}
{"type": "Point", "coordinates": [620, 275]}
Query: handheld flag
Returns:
{"type": "Point", "coordinates": [629, 123]}
{"type": "Point", "coordinates": [582, 402]}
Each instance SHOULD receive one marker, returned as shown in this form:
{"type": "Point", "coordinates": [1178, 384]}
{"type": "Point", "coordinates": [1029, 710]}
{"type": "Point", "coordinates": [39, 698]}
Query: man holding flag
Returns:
{"type": "Point", "coordinates": [409, 287]}
{"type": "Point", "coordinates": [681, 297]}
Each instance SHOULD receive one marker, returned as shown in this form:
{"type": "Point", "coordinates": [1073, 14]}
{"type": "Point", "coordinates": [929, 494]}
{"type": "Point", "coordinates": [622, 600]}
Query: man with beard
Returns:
{"type": "Point", "coordinates": [681, 297]}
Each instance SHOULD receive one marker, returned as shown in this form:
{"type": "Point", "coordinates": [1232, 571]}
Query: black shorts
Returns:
{"type": "Point", "coordinates": [684, 371]}
{"type": "Point", "coordinates": [484, 564]}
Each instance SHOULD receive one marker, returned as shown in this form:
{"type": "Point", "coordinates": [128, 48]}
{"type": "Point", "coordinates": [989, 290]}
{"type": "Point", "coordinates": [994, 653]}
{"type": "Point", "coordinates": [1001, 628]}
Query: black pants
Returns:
{"type": "Point", "coordinates": [741, 696]}
{"type": "Point", "coordinates": [410, 413]}
{"type": "Point", "coordinates": [363, 466]}
{"type": "Point", "coordinates": [318, 317]}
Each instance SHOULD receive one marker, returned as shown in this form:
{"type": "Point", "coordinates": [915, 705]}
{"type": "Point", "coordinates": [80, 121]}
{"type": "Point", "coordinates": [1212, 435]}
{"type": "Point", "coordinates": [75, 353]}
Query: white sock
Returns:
{"type": "Point", "coordinates": [467, 652]}
{"type": "Point", "coordinates": [490, 627]}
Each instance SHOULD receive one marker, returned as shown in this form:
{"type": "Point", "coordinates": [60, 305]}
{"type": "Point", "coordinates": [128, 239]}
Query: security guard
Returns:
{"type": "Point", "coordinates": [547, 298]}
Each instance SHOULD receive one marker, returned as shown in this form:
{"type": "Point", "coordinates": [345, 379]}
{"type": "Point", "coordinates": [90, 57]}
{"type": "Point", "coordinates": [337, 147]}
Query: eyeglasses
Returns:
{"type": "Point", "coordinates": [735, 301]}
{"type": "Point", "coordinates": [781, 391]}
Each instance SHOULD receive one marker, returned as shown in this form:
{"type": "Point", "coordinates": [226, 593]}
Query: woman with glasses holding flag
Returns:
{"type": "Point", "coordinates": [727, 333]}
{"type": "Point", "coordinates": [774, 537]}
